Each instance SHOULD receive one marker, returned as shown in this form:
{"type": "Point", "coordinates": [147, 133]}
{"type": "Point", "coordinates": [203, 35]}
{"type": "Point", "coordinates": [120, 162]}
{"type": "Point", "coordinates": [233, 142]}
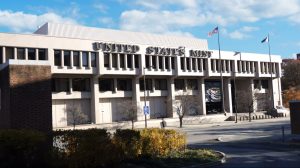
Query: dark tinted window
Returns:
{"type": "Point", "coordinates": [179, 84]}
{"type": "Point", "coordinates": [93, 59]}
{"type": "Point", "coordinates": [67, 58]}
{"type": "Point", "coordinates": [76, 58]}
{"type": "Point", "coordinates": [57, 57]}
{"type": "Point", "coordinates": [42, 54]}
{"type": "Point", "coordinates": [81, 84]}
{"type": "Point", "coordinates": [21, 53]}
{"type": "Point", "coordinates": [31, 53]}
{"type": "Point", "coordinates": [106, 84]}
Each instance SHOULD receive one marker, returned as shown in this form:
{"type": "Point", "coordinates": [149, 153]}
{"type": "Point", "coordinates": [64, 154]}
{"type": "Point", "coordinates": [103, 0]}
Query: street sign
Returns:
{"type": "Point", "coordinates": [146, 110]}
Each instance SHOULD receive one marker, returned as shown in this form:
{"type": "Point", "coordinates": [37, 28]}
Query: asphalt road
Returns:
{"type": "Point", "coordinates": [248, 144]}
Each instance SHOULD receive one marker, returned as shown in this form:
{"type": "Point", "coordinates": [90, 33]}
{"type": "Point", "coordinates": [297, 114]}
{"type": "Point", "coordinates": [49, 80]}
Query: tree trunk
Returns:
{"type": "Point", "coordinates": [180, 122]}
{"type": "Point", "coordinates": [132, 124]}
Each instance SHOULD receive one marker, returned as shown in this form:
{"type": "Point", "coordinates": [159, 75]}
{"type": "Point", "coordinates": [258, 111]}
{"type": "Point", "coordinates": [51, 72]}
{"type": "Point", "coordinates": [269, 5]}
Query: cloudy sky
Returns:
{"type": "Point", "coordinates": [242, 23]}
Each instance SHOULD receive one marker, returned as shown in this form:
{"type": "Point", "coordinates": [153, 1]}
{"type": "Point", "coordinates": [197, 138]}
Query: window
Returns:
{"type": "Point", "coordinates": [9, 53]}
{"type": "Point", "coordinates": [81, 84]}
{"type": "Point", "coordinates": [182, 63]}
{"type": "Point", "coordinates": [57, 57]}
{"type": "Point", "coordinates": [179, 84]}
{"type": "Point", "coordinates": [188, 66]}
{"type": "Point", "coordinates": [121, 61]}
{"type": "Point", "coordinates": [106, 60]}
{"type": "Point", "coordinates": [31, 54]}
{"type": "Point", "coordinates": [160, 62]}
{"type": "Point", "coordinates": [193, 63]}
{"type": "Point", "coordinates": [148, 84]}
{"type": "Point", "coordinates": [60, 85]}
{"type": "Point", "coordinates": [148, 61]}
{"type": "Point", "coordinates": [204, 62]}
{"type": "Point", "coordinates": [161, 84]}
{"type": "Point", "coordinates": [256, 84]}
{"type": "Point", "coordinates": [129, 60]}
{"type": "Point", "coordinates": [265, 84]}
{"type": "Point", "coordinates": [76, 58]}
{"type": "Point", "coordinates": [114, 60]}
{"type": "Point", "coordinates": [85, 59]}
{"type": "Point", "coordinates": [136, 61]}
{"type": "Point", "coordinates": [192, 84]}
{"type": "Point", "coordinates": [173, 62]}
{"type": "Point", "coordinates": [124, 84]}
{"type": "Point", "coordinates": [167, 61]}
{"type": "Point", "coordinates": [67, 58]}
{"type": "Point", "coordinates": [21, 53]}
{"type": "Point", "coordinates": [93, 59]}
{"type": "Point", "coordinates": [212, 68]}
{"type": "Point", "coordinates": [106, 84]}
{"type": "Point", "coordinates": [42, 54]}
{"type": "Point", "coordinates": [154, 61]}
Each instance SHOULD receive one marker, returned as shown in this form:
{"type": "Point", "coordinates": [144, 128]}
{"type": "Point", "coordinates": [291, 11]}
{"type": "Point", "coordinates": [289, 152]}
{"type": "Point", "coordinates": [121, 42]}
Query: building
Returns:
{"type": "Point", "coordinates": [95, 70]}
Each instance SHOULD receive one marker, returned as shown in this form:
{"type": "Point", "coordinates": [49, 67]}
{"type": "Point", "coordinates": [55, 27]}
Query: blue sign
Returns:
{"type": "Point", "coordinates": [146, 110]}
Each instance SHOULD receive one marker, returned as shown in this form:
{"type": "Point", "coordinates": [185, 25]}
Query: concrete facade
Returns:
{"type": "Point", "coordinates": [96, 70]}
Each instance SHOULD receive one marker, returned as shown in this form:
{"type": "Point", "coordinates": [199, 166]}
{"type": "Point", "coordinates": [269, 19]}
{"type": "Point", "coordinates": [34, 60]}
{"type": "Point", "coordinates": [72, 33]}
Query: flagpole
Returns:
{"type": "Point", "coordinates": [221, 75]}
{"type": "Point", "coordinates": [272, 96]}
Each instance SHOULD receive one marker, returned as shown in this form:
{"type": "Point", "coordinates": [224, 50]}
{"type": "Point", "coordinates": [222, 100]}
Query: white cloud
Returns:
{"type": "Point", "coordinates": [164, 16]}
{"type": "Point", "coordinates": [241, 33]}
{"type": "Point", "coordinates": [24, 22]}
{"type": "Point", "coordinates": [106, 21]}
{"type": "Point", "coordinates": [101, 7]}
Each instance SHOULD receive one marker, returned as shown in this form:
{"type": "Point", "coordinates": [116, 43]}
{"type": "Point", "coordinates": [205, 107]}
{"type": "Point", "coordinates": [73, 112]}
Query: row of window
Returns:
{"type": "Point", "coordinates": [115, 60]}
{"type": "Point", "coordinates": [22, 54]}
{"type": "Point", "coordinates": [267, 67]}
{"type": "Point", "coordinates": [160, 62]}
{"type": "Point", "coordinates": [79, 58]}
{"type": "Point", "coordinates": [78, 84]}
{"type": "Point", "coordinates": [195, 64]}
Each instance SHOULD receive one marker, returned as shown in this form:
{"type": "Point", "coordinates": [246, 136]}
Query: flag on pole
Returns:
{"type": "Point", "coordinates": [214, 31]}
{"type": "Point", "coordinates": [266, 39]}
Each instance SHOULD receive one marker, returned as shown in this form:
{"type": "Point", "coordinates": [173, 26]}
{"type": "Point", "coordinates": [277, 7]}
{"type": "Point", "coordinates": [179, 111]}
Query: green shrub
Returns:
{"type": "Point", "coordinates": [129, 141]}
{"type": "Point", "coordinates": [22, 148]}
{"type": "Point", "coordinates": [85, 148]}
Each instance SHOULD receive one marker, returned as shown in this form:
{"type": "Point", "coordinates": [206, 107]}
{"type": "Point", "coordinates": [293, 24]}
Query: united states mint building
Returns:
{"type": "Point", "coordinates": [95, 71]}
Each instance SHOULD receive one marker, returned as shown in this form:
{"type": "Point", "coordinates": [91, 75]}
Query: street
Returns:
{"type": "Point", "coordinates": [248, 144]}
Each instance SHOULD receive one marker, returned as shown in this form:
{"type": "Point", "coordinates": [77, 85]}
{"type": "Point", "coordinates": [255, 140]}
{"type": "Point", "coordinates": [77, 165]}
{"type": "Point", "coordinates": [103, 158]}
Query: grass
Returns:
{"type": "Point", "coordinates": [189, 157]}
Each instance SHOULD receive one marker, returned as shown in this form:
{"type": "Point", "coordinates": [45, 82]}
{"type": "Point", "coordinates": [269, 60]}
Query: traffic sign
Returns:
{"type": "Point", "coordinates": [146, 110]}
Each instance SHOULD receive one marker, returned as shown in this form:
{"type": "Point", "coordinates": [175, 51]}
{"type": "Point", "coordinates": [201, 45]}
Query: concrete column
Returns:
{"type": "Point", "coordinates": [163, 62]}
{"type": "Point", "coordinates": [118, 61]}
{"type": "Point", "coordinates": [208, 68]}
{"type": "Point", "coordinates": [132, 61]}
{"type": "Point", "coordinates": [100, 63]}
{"type": "Point", "coordinates": [201, 96]}
{"type": "Point", "coordinates": [228, 96]}
{"type": "Point", "coordinates": [71, 55]}
{"type": "Point", "coordinates": [274, 68]}
{"type": "Point", "coordinates": [185, 65]}
{"type": "Point", "coordinates": [190, 68]}
{"type": "Point", "coordinates": [80, 59]}
{"type": "Point", "coordinates": [170, 63]}
{"type": "Point", "coordinates": [157, 62]}
{"type": "Point", "coordinates": [228, 66]}
{"type": "Point", "coordinates": [125, 61]}
{"type": "Point", "coordinates": [196, 64]}
{"type": "Point", "coordinates": [150, 61]}
{"type": "Point", "coordinates": [115, 85]}
{"type": "Point", "coordinates": [15, 53]}
{"type": "Point", "coordinates": [267, 67]}
{"type": "Point", "coordinates": [26, 53]}
{"type": "Point", "coordinates": [136, 98]}
{"type": "Point", "coordinates": [62, 58]}
{"type": "Point", "coordinates": [201, 64]}
{"type": "Point", "coordinates": [95, 110]}
{"type": "Point", "coordinates": [245, 66]}
{"type": "Point", "coordinates": [71, 85]}
{"type": "Point", "coordinates": [252, 67]}
{"type": "Point", "coordinates": [235, 67]}
{"type": "Point", "coordinates": [36, 54]}
{"type": "Point", "coordinates": [224, 65]}
{"type": "Point", "coordinates": [279, 91]}
{"type": "Point", "coordinates": [248, 66]}
{"type": "Point", "coordinates": [4, 54]}
{"type": "Point", "coordinates": [171, 98]}
{"type": "Point", "coordinates": [89, 60]}
{"type": "Point", "coordinates": [109, 60]}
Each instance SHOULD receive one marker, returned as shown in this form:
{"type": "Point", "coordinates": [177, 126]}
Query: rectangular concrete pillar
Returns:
{"type": "Point", "coordinates": [201, 96]}
{"type": "Point", "coordinates": [228, 96]}
{"type": "Point", "coordinates": [171, 98]}
{"type": "Point", "coordinates": [95, 110]}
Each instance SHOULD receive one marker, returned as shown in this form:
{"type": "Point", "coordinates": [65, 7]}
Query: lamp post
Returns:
{"type": "Point", "coordinates": [234, 81]}
{"type": "Point", "coordinates": [145, 104]}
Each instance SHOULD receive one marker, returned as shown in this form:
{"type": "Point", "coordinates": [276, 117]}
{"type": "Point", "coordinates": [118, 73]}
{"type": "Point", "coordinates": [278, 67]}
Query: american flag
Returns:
{"type": "Point", "coordinates": [214, 31]}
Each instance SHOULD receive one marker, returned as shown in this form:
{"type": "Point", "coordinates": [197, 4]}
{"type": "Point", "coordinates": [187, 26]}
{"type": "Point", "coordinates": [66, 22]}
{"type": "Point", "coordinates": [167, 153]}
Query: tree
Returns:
{"type": "Point", "coordinates": [75, 116]}
{"type": "Point", "coordinates": [291, 74]}
{"type": "Point", "coordinates": [183, 103]}
{"type": "Point", "coordinates": [129, 110]}
{"type": "Point", "coordinates": [248, 102]}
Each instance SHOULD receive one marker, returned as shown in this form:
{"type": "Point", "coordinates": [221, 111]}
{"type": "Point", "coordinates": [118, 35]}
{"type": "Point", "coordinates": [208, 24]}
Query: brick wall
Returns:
{"type": "Point", "coordinates": [29, 97]}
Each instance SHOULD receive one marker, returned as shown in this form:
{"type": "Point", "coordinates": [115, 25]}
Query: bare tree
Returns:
{"type": "Point", "coordinates": [247, 99]}
{"type": "Point", "coordinates": [183, 103]}
{"type": "Point", "coordinates": [129, 110]}
{"type": "Point", "coordinates": [75, 116]}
